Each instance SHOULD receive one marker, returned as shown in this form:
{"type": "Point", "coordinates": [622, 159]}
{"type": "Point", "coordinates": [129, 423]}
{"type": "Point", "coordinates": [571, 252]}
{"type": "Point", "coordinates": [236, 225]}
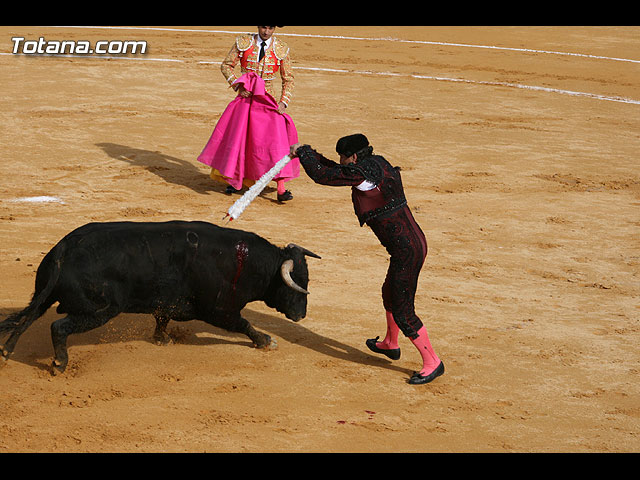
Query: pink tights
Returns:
{"type": "Point", "coordinates": [391, 340]}
{"type": "Point", "coordinates": [430, 360]}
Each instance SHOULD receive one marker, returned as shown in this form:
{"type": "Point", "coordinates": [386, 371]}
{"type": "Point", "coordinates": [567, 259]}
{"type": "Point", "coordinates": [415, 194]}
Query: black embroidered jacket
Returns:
{"type": "Point", "coordinates": [387, 195]}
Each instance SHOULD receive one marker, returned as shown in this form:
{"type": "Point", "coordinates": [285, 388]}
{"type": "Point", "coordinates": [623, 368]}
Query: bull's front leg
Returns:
{"type": "Point", "coordinates": [160, 336]}
{"type": "Point", "coordinates": [259, 339]}
{"type": "Point", "coordinates": [233, 322]}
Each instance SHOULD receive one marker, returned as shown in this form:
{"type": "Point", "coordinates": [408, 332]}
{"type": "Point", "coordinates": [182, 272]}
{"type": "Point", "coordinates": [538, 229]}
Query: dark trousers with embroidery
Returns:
{"type": "Point", "coordinates": [406, 243]}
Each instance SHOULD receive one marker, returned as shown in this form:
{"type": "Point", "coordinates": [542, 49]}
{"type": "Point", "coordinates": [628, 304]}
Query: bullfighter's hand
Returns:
{"type": "Point", "coordinates": [292, 150]}
{"type": "Point", "coordinates": [244, 93]}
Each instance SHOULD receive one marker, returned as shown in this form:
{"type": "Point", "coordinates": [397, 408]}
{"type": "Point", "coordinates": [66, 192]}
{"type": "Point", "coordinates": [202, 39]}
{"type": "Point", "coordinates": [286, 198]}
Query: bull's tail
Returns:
{"type": "Point", "coordinates": [46, 280]}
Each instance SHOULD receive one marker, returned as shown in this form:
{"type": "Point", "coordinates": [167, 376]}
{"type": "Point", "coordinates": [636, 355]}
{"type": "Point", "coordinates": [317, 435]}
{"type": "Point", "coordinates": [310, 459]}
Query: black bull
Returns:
{"type": "Point", "coordinates": [173, 270]}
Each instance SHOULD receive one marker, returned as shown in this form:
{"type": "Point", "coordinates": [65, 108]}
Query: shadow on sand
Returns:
{"type": "Point", "coordinates": [171, 169]}
{"type": "Point", "coordinates": [35, 349]}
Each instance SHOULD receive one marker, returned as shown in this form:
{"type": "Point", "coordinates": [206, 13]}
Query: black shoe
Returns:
{"type": "Point", "coordinates": [417, 379]}
{"type": "Point", "coordinates": [287, 195]}
{"type": "Point", "coordinates": [231, 190]}
{"type": "Point", "coordinates": [392, 353]}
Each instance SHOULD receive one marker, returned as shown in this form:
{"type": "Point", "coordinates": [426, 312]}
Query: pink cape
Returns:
{"type": "Point", "coordinates": [251, 137]}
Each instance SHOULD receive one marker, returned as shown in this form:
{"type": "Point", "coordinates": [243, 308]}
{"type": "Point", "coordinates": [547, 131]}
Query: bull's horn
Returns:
{"type": "Point", "coordinates": [285, 271]}
{"type": "Point", "coordinates": [304, 250]}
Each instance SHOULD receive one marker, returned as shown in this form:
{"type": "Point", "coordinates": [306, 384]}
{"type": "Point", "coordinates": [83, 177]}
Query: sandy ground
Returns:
{"type": "Point", "coordinates": [529, 199]}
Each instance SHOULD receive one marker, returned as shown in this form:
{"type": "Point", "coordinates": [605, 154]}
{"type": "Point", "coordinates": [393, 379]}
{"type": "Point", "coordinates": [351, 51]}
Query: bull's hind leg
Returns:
{"type": "Point", "coordinates": [17, 329]}
{"type": "Point", "coordinates": [61, 329]}
{"type": "Point", "coordinates": [17, 324]}
{"type": "Point", "coordinates": [233, 322]}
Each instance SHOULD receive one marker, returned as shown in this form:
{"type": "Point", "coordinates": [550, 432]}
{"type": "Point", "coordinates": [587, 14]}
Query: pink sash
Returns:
{"type": "Point", "coordinates": [250, 137]}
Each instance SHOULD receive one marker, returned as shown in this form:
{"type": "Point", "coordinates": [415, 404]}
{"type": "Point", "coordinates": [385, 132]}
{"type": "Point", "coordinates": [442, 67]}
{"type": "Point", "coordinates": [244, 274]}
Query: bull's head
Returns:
{"type": "Point", "coordinates": [291, 297]}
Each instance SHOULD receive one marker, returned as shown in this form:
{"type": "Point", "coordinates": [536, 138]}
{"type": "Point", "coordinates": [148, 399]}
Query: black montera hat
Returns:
{"type": "Point", "coordinates": [351, 144]}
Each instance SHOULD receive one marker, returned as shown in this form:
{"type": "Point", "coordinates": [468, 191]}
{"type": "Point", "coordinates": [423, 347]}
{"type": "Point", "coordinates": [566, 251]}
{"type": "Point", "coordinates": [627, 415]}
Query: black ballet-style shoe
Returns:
{"type": "Point", "coordinates": [231, 190]}
{"type": "Point", "coordinates": [417, 379]}
{"type": "Point", "coordinates": [286, 196]}
{"type": "Point", "coordinates": [392, 353]}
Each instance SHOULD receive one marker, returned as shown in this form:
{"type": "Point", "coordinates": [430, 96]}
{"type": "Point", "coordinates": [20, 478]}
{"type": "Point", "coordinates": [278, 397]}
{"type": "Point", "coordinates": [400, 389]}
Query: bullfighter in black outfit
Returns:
{"type": "Point", "coordinates": [379, 201]}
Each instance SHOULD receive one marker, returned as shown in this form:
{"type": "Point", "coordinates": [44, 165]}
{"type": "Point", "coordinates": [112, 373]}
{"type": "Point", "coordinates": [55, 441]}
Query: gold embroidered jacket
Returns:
{"type": "Point", "coordinates": [276, 58]}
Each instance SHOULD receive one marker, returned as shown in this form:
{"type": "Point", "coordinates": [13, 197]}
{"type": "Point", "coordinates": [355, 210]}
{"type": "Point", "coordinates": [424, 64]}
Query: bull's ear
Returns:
{"type": "Point", "coordinates": [306, 252]}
